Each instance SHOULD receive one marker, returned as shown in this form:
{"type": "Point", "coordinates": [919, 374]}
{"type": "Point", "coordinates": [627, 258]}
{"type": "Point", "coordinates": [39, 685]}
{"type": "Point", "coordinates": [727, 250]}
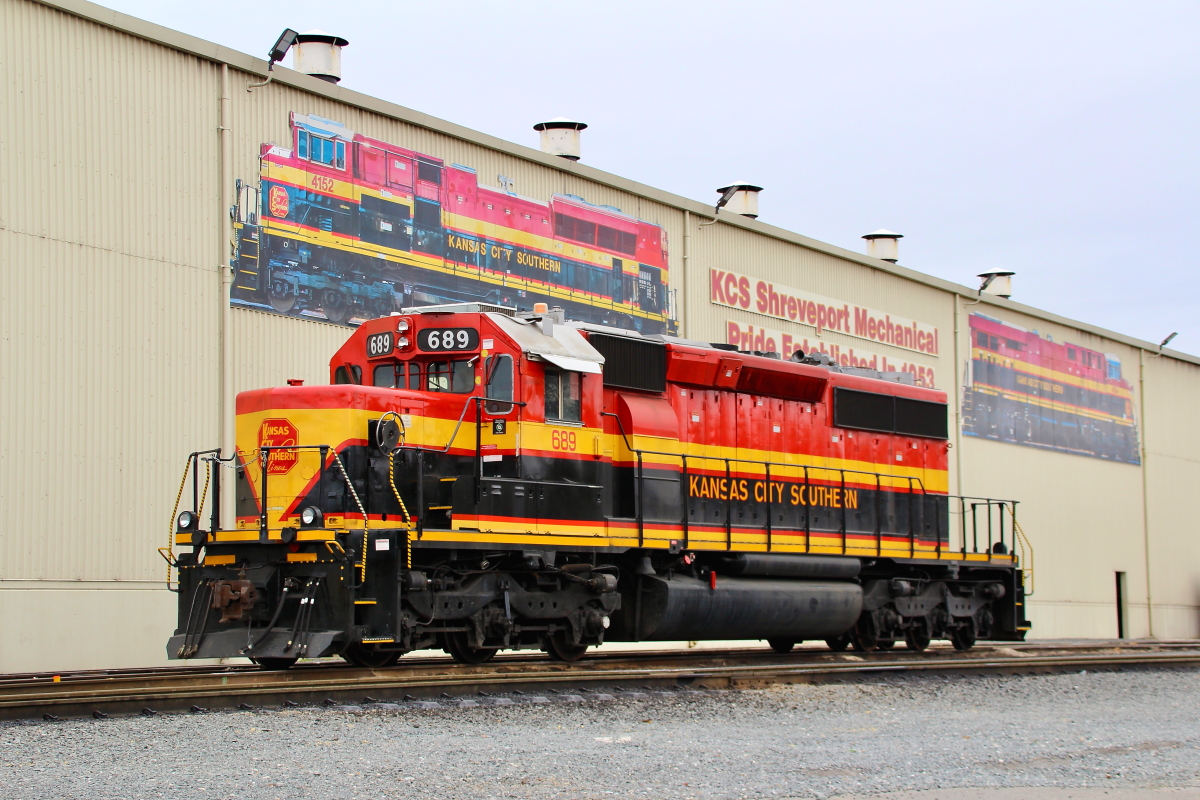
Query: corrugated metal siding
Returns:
{"type": "Point", "coordinates": [108, 249]}
{"type": "Point", "coordinates": [1173, 474]}
{"type": "Point", "coordinates": [269, 349]}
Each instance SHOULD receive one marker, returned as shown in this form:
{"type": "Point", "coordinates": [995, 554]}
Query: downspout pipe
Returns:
{"type": "Point", "coordinates": [225, 404]}
{"type": "Point", "coordinates": [1145, 489]}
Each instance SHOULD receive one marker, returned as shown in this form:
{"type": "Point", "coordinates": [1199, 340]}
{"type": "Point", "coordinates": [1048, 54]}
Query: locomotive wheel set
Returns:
{"type": "Point", "coordinates": [475, 479]}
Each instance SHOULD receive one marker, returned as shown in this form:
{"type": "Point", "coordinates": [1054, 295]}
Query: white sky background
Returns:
{"type": "Point", "coordinates": [1055, 139]}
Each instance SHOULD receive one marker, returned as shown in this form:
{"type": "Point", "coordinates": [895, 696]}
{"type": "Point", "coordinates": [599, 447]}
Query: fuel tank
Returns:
{"type": "Point", "coordinates": [786, 565]}
{"type": "Point", "coordinates": [686, 608]}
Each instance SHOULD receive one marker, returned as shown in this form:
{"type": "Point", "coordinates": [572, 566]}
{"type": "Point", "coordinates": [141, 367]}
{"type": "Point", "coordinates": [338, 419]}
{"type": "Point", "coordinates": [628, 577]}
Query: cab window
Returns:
{"type": "Point", "coordinates": [563, 396]}
{"type": "Point", "coordinates": [499, 372]}
{"type": "Point", "coordinates": [351, 375]}
{"type": "Point", "coordinates": [450, 376]}
{"type": "Point", "coordinates": [384, 375]}
{"type": "Point", "coordinates": [414, 376]}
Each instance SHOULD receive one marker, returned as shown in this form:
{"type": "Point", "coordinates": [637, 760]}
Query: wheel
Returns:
{"type": "Point", "coordinates": [456, 645]}
{"type": "Point", "coordinates": [838, 643]}
{"type": "Point", "coordinates": [367, 658]}
{"type": "Point", "coordinates": [916, 638]}
{"type": "Point", "coordinates": [282, 302]}
{"type": "Point", "coordinates": [781, 645]}
{"type": "Point", "coordinates": [562, 650]}
{"type": "Point", "coordinates": [274, 663]}
{"type": "Point", "coordinates": [963, 637]}
{"type": "Point", "coordinates": [863, 635]}
{"type": "Point", "coordinates": [335, 307]}
{"type": "Point", "coordinates": [886, 644]}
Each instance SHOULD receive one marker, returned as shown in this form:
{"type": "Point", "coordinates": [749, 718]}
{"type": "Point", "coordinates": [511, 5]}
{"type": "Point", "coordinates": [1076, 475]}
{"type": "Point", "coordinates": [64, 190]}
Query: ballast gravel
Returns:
{"type": "Point", "coordinates": [1109, 734]}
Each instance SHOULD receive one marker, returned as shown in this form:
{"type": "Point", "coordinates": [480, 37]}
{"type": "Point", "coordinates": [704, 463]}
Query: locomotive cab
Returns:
{"type": "Point", "coordinates": [477, 479]}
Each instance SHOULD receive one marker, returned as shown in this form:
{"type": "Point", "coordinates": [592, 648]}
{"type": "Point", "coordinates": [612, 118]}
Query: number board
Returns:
{"type": "Point", "coordinates": [443, 340]}
{"type": "Point", "coordinates": [380, 344]}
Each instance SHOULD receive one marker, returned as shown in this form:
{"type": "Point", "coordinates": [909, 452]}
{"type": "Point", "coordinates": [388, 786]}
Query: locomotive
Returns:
{"type": "Point", "coordinates": [1030, 390]}
{"type": "Point", "coordinates": [350, 227]}
{"type": "Point", "coordinates": [474, 479]}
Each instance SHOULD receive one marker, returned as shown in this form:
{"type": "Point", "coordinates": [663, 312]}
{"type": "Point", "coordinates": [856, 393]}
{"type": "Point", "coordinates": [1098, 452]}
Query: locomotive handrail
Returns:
{"type": "Point", "coordinates": [915, 485]}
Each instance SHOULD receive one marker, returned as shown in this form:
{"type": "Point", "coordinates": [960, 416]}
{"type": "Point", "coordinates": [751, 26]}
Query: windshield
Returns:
{"type": "Point", "coordinates": [450, 376]}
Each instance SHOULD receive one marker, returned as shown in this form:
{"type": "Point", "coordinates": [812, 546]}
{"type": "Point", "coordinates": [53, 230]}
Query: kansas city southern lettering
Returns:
{"type": "Point", "coordinates": [783, 302]}
{"type": "Point", "coordinates": [794, 494]}
{"type": "Point", "coordinates": [499, 252]}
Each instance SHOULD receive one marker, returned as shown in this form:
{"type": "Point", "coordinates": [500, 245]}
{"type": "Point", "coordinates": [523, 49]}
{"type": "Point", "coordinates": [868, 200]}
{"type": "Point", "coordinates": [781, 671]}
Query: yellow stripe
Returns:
{"type": "Point", "coordinates": [364, 602]}
{"type": "Point", "coordinates": [297, 558]}
{"type": "Point", "coordinates": [236, 536]}
{"type": "Point", "coordinates": [218, 560]}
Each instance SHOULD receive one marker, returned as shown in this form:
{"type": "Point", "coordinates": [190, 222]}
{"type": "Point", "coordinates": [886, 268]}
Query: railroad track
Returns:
{"type": "Point", "coordinates": [433, 679]}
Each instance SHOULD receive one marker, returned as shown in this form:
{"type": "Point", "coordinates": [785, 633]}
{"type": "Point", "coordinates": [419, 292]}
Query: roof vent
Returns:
{"type": "Point", "coordinates": [319, 54]}
{"type": "Point", "coordinates": [560, 137]}
{"type": "Point", "coordinates": [884, 245]}
{"type": "Point", "coordinates": [997, 283]}
{"type": "Point", "coordinates": [740, 198]}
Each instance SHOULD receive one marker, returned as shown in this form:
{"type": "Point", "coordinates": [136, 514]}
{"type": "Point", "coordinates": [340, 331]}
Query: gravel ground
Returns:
{"type": "Point", "coordinates": [1112, 735]}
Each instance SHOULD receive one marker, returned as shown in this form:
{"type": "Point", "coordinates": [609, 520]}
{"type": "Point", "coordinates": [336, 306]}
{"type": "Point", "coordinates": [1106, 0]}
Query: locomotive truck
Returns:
{"type": "Point", "coordinates": [475, 479]}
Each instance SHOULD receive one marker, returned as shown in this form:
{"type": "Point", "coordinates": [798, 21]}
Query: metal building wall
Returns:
{"type": "Point", "coordinates": [112, 214]}
{"type": "Point", "coordinates": [1082, 514]}
{"type": "Point", "coordinates": [1172, 457]}
{"type": "Point", "coordinates": [108, 261]}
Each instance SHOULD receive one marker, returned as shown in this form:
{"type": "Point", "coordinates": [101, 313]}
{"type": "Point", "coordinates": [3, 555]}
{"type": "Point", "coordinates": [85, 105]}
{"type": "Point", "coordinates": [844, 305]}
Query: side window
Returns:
{"type": "Point", "coordinates": [414, 376]}
{"type": "Point", "coordinates": [385, 375]}
{"type": "Point", "coordinates": [302, 144]}
{"type": "Point", "coordinates": [499, 372]}
{"type": "Point", "coordinates": [351, 375]}
{"type": "Point", "coordinates": [563, 396]}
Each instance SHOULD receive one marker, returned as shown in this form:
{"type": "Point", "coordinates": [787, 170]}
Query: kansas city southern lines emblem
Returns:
{"type": "Point", "coordinates": [279, 433]}
{"type": "Point", "coordinates": [277, 202]}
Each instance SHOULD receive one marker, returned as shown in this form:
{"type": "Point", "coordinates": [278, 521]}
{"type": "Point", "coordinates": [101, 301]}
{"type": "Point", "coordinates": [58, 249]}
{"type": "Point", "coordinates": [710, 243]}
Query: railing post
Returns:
{"type": "Point", "coordinates": [974, 528]}
{"type": "Point", "coordinates": [767, 467]}
{"type": "Point", "coordinates": [216, 492]}
{"type": "Point", "coordinates": [989, 516]}
{"type": "Point", "coordinates": [263, 454]}
{"type": "Point", "coordinates": [963, 517]}
{"type": "Point", "coordinates": [728, 507]}
{"type": "Point", "coordinates": [912, 528]}
{"type": "Point", "coordinates": [195, 481]}
{"type": "Point", "coordinates": [878, 515]}
{"type": "Point", "coordinates": [641, 523]}
{"type": "Point", "coordinates": [685, 491]}
{"type": "Point", "coordinates": [1002, 506]}
{"type": "Point", "coordinates": [478, 453]}
{"type": "Point", "coordinates": [807, 498]}
{"type": "Point", "coordinates": [842, 473]}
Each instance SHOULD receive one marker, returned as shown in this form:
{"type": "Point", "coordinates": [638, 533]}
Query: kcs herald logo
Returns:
{"type": "Point", "coordinates": [279, 433]}
{"type": "Point", "coordinates": [278, 202]}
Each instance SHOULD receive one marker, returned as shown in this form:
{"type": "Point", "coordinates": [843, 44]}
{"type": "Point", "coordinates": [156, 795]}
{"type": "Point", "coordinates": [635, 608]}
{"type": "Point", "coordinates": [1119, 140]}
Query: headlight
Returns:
{"type": "Point", "coordinates": [311, 517]}
{"type": "Point", "coordinates": [402, 326]}
{"type": "Point", "coordinates": [186, 521]}
{"type": "Point", "coordinates": [402, 342]}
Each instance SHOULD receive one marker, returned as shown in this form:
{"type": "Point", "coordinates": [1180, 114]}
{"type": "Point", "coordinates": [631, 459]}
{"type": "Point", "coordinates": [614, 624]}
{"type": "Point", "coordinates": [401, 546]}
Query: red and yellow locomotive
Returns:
{"type": "Point", "coordinates": [476, 479]}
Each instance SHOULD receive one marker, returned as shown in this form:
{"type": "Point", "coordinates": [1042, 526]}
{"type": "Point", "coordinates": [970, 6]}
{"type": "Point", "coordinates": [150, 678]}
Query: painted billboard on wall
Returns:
{"type": "Point", "coordinates": [341, 227]}
{"type": "Point", "coordinates": [1027, 389]}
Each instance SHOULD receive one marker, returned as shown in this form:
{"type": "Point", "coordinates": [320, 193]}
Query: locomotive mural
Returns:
{"type": "Point", "coordinates": [1026, 389]}
{"type": "Point", "coordinates": [346, 228]}
{"type": "Point", "coordinates": [475, 478]}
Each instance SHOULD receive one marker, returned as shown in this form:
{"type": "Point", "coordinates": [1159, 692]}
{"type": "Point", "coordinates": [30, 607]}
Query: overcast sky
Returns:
{"type": "Point", "coordinates": [1055, 139]}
